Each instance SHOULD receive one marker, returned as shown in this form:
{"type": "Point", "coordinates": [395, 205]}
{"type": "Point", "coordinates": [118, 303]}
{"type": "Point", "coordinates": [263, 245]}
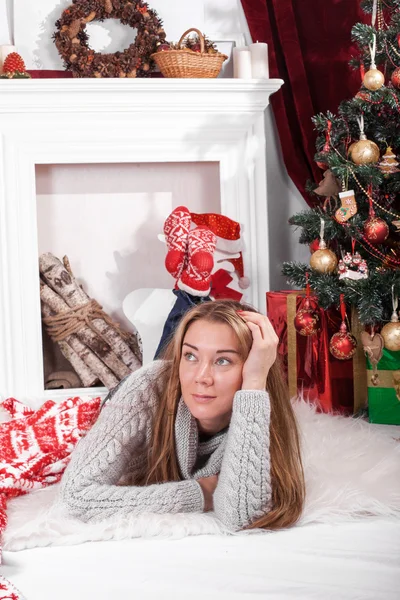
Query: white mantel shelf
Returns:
{"type": "Point", "coordinates": [103, 121]}
{"type": "Point", "coordinates": [189, 95]}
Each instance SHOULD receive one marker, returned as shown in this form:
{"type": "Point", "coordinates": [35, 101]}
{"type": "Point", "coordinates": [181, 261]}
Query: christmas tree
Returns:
{"type": "Point", "coordinates": [353, 228]}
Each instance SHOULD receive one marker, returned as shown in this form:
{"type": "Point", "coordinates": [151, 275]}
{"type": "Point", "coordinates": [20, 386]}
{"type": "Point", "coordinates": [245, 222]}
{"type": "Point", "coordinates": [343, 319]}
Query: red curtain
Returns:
{"type": "Point", "coordinates": [309, 48]}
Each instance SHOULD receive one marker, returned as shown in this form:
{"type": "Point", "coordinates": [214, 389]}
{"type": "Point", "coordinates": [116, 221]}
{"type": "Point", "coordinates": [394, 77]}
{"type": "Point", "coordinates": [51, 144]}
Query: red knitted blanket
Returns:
{"type": "Point", "coordinates": [35, 448]}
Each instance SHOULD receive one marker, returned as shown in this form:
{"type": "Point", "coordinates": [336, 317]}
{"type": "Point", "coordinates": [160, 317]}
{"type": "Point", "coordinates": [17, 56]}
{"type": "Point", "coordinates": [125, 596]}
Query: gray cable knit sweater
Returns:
{"type": "Point", "coordinates": [94, 484]}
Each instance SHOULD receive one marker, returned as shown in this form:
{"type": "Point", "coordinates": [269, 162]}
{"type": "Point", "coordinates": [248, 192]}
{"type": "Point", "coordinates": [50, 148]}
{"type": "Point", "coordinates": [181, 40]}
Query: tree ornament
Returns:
{"type": "Point", "coordinates": [320, 163]}
{"type": "Point", "coordinates": [348, 208]}
{"type": "Point", "coordinates": [328, 186]}
{"type": "Point", "coordinates": [350, 148]}
{"type": "Point", "coordinates": [376, 230]}
{"type": "Point", "coordinates": [395, 78]}
{"type": "Point", "coordinates": [389, 164]}
{"type": "Point", "coordinates": [71, 39]}
{"type": "Point", "coordinates": [314, 246]}
{"type": "Point", "coordinates": [373, 348]}
{"type": "Point", "coordinates": [306, 321]}
{"type": "Point", "coordinates": [373, 79]}
{"type": "Point", "coordinates": [343, 344]}
{"type": "Point", "coordinates": [14, 67]}
{"type": "Point", "coordinates": [352, 265]}
{"type": "Point", "coordinates": [391, 331]}
{"type": "Point", "coordinates": [323, 260]}
{"type": "Point", "coordinates": [364, 151]}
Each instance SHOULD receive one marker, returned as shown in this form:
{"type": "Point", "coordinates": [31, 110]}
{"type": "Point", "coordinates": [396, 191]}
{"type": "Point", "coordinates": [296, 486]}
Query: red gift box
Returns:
{"type": "Point", "coordinates": [310, 368]}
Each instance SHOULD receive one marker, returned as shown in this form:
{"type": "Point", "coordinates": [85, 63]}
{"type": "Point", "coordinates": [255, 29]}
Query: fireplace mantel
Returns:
{"type": "Point", "coordinates": [157, 94]}
{"type": "Point", "coordinates": [70, 121]}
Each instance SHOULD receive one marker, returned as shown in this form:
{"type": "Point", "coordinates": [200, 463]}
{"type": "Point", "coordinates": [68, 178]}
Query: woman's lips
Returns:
{"type": "Point", "coordinates": [202, 399]}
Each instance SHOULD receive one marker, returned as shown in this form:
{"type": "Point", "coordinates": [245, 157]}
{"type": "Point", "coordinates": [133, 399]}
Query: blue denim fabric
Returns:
{"type": "Point", "coordinates": [183, 303]}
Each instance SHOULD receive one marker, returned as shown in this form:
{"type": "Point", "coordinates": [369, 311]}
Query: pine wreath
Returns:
{"type": "Point", "coordinates": [71, 38]}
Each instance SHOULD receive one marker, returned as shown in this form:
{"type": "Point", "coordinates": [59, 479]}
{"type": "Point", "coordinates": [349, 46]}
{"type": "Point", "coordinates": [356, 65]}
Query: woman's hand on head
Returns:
{"type": "Point", "coordinates": [263, 351]}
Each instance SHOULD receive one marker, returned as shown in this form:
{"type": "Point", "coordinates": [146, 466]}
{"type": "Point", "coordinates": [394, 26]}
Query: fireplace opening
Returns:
{"type": "Point", "coordinates": [106, 218]}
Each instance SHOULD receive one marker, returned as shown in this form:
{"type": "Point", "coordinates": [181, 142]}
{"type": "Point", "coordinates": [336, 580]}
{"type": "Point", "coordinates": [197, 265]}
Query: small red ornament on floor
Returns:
{"type": "Point", "coordinates": [343, 344]}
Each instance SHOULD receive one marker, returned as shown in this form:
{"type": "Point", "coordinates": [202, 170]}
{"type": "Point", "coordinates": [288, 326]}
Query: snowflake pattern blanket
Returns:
{"type": "Point", "coordinates": [35, 448]}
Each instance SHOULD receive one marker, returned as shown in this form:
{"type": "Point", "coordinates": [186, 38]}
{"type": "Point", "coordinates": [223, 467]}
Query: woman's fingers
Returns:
{"type": "Point", "coordinates": [267, 331]}
{"type": "Point", "coordinates": [256, 332]}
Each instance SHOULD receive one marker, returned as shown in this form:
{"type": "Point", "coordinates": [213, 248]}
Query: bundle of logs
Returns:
{"type": "Point", "coordinates": [96, 347]}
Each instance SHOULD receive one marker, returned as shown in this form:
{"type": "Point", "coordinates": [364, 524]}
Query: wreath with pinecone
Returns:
{"type": "Point", "coordinates": [71, 38]}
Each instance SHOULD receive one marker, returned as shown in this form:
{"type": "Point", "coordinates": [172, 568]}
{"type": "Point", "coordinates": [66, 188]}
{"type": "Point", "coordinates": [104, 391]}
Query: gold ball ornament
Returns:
{"type": "Point", "coordinates": [391, 336]}
{"type": "Point", "coordinates": [350, 148]}
{"type": "Point", "coordinates": [323, 261]}
{"type": "Point", "coordinates": [373, 79]}
{"type": "Point", "coordinates": [364, 152]}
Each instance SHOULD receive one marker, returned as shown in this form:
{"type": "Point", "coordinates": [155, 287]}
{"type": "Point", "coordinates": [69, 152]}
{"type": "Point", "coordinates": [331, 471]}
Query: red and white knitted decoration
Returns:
{"type": "Point", "coordinates": [35, 446]}
{"type": "Point", "coordinates": [176, 230]}
{"type": "Point", "coordinates": [8, 591]}
{"type": "Point", "coordinates": [228, 239]}
{"type": "Point", "coordinates": [196, 276]}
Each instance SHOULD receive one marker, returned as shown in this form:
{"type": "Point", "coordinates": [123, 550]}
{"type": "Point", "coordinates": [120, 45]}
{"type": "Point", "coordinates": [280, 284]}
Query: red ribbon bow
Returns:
{"type": "Point", "coordinates": [219, 286]}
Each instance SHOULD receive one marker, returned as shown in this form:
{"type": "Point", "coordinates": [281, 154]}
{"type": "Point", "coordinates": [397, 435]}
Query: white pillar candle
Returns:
{"type": "Point", "coordinates": [259, 60]}
{"type": "Point", "coordinates": [242, 63]}
{"type": "Point", "coordinates": [4, 52]}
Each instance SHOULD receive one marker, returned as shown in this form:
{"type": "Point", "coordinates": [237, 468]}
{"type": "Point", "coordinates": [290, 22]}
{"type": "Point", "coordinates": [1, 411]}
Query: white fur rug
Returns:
{"type": "Point", "coordinates": [352, 471]}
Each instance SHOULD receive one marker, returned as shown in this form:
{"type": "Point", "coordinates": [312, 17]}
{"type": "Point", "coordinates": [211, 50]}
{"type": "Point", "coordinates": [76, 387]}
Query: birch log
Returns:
{"type": "Point", "coordinates": [61, 281]}
{"type": "Point", "coordinates": [97, 367]}
{"type": "Point", "coordinates": [85, 334]}
{"type": "Point", "coordinates": [85, 374]}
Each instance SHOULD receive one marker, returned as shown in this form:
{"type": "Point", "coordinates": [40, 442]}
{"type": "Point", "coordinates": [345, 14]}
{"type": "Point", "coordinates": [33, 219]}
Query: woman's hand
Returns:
{"type": "Point", "coordinates": [263, 351]}
{"type": "Point", "coordinates": [208, 485]}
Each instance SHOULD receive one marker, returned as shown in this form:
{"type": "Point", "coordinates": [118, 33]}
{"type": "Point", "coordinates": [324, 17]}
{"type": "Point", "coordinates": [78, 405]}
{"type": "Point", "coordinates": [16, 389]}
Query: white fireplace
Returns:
{"type": "Point", "coordinates": [82, 121]}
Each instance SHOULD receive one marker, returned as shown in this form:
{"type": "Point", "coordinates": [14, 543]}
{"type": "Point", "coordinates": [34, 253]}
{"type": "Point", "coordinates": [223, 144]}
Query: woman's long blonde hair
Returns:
{"type": "Point", "coordinates": [288, 490]}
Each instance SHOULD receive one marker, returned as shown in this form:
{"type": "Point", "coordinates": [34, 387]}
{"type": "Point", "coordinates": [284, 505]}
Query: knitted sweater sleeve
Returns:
{"type": "Point", "coordinates": [89, 487]}
{"type": "Point", "coordinates": [243, 493]}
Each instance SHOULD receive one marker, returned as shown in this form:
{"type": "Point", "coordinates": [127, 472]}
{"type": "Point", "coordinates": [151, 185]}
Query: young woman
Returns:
{"type": "Point", "coordinates": [209, 427]}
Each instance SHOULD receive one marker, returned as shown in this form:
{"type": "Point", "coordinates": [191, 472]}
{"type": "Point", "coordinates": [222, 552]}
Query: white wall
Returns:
{"type": "Point", "coordinates": [31, 25]}
{"type": "Point", "coordinates": [106, 219]}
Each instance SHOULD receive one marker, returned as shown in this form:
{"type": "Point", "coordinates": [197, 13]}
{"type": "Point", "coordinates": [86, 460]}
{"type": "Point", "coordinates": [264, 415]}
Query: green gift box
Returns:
{"type": "Point", "coordinates": [384, 397]}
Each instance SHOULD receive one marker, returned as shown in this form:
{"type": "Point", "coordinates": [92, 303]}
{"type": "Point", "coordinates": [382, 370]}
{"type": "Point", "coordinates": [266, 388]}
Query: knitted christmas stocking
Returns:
{"type": "Point", "coordinates": [176, 229]}
{"type": "Point", "coordinates": [195, 278]}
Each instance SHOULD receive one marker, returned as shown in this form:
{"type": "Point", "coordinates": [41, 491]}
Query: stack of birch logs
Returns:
{"type": "Point", "coordinates": [97, 348]}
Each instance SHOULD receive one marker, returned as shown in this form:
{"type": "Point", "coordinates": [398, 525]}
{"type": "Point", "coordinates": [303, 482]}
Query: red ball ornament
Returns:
{"type": "Point", "coordinates": [395, 79]}
{"type": "Point", "coordinates": [306, 321]}
{"type": "Point", "coordinates": [322, 165]}
{"type": "Point", "coordinates": [343, 344]}
{"type": "Point", "coordinates": [314, 246]}
{"type": "Point", "coordinates": [376, 230]}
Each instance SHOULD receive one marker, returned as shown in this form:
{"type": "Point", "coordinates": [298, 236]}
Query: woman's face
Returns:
{"type": "Point", "coordinates": [210, 373]}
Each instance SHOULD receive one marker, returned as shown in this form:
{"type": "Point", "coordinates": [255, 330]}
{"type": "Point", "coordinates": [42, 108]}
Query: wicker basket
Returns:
{"type": "Point", "coordinates": [187, 63]}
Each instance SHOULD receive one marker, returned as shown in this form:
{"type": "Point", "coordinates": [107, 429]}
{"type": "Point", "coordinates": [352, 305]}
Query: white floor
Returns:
{"type": "Point", "coordinates": [354, 561]}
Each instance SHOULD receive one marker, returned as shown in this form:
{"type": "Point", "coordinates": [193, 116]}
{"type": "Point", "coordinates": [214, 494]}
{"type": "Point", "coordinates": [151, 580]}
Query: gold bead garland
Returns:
{"type": "Point", "coordinates": [389, 212]}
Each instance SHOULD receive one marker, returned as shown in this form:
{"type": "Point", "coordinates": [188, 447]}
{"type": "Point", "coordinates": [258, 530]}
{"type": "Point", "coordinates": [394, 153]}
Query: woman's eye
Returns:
{"type": "Point", "coordinates": [223, 362]}
{"type": "Point", "coordinates": [190, 356]}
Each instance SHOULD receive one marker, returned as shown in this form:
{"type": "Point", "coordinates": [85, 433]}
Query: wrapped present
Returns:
{"type": "Point", "coordinates": [384, 389]}
{"type": "Point", "coordinates": [312, 371]}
